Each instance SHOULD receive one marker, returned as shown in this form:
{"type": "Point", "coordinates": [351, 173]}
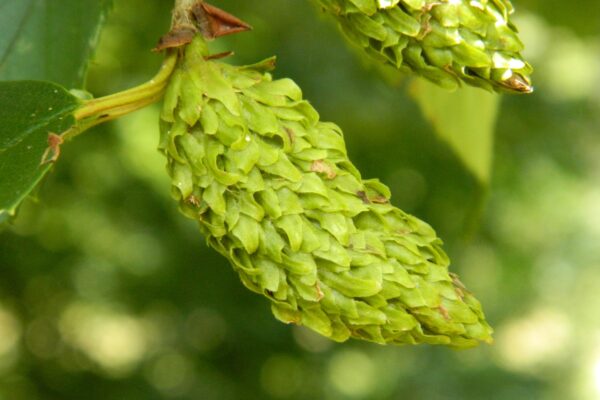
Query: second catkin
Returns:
{"type": "Point", "coordinates": [445, 41]}
{"type": "Point", "coordinates": [274, 192]}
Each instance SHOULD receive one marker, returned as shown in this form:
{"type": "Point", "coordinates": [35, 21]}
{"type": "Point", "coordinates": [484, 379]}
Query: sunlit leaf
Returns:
{"type": "Point", "coordinates": [465, 119]}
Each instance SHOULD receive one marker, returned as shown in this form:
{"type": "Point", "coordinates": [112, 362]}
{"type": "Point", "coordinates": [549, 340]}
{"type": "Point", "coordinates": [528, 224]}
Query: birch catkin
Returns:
{"type": "Point", "coordinates": [445, 41]}
{"type": "Point", "coordinates": [274, 192]}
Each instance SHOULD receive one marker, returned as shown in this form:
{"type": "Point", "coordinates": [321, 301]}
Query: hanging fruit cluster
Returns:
{"type": "Point", "coordinates": [274, 192]}
{"type": "Point", "coordinates": [445, 41]}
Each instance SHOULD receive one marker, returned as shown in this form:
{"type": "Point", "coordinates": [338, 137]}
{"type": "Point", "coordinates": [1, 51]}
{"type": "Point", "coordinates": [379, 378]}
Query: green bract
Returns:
{"type": "Point", "coordinates": [445, 41]}
{"type": "Point", "coordinates": [274, 191]}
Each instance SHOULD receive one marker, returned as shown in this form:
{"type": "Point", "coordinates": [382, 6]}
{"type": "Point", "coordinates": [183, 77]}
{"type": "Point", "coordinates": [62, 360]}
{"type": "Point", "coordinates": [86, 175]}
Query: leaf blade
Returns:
{"type": "Point", "coordinates": [465, 119]}
{"type": "Point", "coordinates": [49, 40]}
{"type": "Point", "coordinates": [29, 111]}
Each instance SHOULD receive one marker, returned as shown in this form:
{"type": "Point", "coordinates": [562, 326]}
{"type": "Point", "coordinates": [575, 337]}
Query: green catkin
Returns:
{"type": "Point", "coordinates": [445, 41]}
{"type": "Point", "coordinates": [274, 192]}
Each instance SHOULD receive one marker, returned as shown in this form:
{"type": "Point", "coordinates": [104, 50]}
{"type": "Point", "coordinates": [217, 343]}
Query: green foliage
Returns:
{"type": "Point", "coordinates": [44, 40]}
{"type": "Point", "coordinates": [29, 112]}
{"type": "Point", "coordinates": [105, 292]}
{"type": "Point", "coordinates": [49, 40]}
{"type": "Point", "coordinates": [465, 119]}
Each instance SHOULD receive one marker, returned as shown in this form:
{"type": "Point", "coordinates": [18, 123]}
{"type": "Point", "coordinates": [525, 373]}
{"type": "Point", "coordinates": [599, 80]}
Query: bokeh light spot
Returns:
{"type": "Point", "coordinates": [171, 373]}
{"type": "Point", "coordinates": [42, 338]}
{"type": "Point", "coordinates": [281, 376]}
{"type": "Point", "coordinates": [596, 376]}
{"type": "Point", "coordinates": [538, 338]}
{"type": "Point", "coordinates": [205, 329]}
{"type": "Point", "coordinates": [10, 332]}
{"type": "Point", "coordinates": [117, 342]}
{"type": "Point", "coordinates": [352, 373]}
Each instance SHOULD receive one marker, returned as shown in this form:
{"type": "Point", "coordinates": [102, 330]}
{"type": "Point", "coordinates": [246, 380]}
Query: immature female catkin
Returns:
{"type": "Point", "coordinates": [445, 41]}
{"type": "Point", "coordinates": [274, 192]}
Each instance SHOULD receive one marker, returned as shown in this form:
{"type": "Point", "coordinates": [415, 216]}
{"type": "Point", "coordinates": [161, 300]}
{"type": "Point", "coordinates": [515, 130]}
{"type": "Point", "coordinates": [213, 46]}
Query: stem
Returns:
{"type": "Point", "coordinates": [182, 14]}
{"type": "Point", "coordinates": [114, 113]}
{"type": "Point", "coordinates": [97, 111]}
{"type": "Point", "coordinates": [183, 5]}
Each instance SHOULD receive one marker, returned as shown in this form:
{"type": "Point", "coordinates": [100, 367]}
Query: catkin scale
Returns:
{"type": "Point", "coordinates": [274, 192]}
{"type": "Point", "coordinates": [445, 41]}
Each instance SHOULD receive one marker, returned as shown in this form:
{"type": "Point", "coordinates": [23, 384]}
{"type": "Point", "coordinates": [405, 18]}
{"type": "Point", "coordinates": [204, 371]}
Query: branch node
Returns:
{"type": "Point", "coordinates": [191, 17]}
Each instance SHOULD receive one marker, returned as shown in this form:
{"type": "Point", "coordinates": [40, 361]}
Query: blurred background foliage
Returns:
{"type": "Point", "coordinates": [106, 292]}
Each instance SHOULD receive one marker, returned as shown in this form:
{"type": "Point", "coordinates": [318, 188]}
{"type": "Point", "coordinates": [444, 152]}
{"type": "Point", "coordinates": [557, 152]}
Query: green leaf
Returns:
{"type": "Point", "coordinates": [49, 40]}
{"type": "Point", "coordinates": [465, 119]}
{"type": "Point", "coordinates": [29, 111]}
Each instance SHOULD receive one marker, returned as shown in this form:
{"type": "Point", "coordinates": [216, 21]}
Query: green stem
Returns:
{"type": "Point", "coordinates": [115, 112]}
{"type": "Point", "coordinates": [103, 109]}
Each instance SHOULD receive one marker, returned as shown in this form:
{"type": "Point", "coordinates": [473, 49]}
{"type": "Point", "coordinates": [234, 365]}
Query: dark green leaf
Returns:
{"type": "Point", "coordinates": [49, 39]}
{"type": "Point", "coordinates": [465, 119]}
{"type": "Point", "coordinates": [29, 111]}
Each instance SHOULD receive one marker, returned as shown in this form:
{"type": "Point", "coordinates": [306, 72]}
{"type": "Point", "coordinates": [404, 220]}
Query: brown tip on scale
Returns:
{"type": "Point", "coordinates": [215, 22]}
{"type": "Point", "coordinates": [517, 83]}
